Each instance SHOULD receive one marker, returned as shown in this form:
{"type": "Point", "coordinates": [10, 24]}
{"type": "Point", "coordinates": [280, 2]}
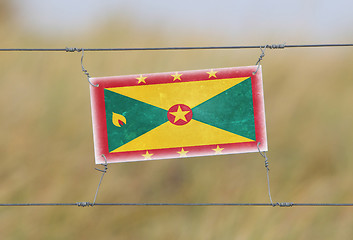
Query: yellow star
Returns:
{"type": "Point", "coordinates": [141, 79]}
{"type": "Point", "coordinates": [147, 155]}
{"type": "Point", "coordinates": [179, 114]}
{"type": "Point", "coordinates": [212, 73]}
{"type": "Point", "coordinates": [218, 150]}
{"type": "Point", "coordinates": [177, 76]}
{"type": "Point", "coordinates": [183, 153]}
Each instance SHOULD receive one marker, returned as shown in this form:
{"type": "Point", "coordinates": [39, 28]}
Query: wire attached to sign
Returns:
{"type": "Point", "coordinates": [260, 59]}
{"type": "Point", "coordinates": [105, 164]}
{"type": "Point", "coordinates": [68, 49]}
{"type": "Point", "coordinates": [273, 46]}
{"type": "Point", "coordinates": [85, 71]}
{"type": "Point", "coordinates": [263, 154]}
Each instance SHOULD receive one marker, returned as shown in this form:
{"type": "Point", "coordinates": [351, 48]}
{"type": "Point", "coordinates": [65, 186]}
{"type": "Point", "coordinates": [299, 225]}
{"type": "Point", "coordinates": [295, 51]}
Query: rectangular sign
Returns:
{"type": "Point", "coordinates": [178, 114]}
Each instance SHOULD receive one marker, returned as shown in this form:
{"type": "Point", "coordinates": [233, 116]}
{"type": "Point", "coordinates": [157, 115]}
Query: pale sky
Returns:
{"type": "Point", "coordinates": [282, 20]}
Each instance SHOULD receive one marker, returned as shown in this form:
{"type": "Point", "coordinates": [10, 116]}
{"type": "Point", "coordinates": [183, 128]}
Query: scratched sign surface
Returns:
{"type": "Point", "coordinates": [178, 114]}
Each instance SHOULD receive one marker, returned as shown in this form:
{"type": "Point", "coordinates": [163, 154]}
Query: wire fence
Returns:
{"type": "Point", "coordinates": [262, 47]}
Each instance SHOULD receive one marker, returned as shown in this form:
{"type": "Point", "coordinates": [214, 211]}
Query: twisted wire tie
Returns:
{"type": "Point", "coordinates": [68, 49]}
{"type": "Point", "coordinates": [276, 46]}
{"type": "Point", "coordinates": [105, 164]}
{"type": "Point", "coordinates": [263, 154]}
{"type": "Point", "coordinates": [260, 59]}
{"type": "Point", "coordinates": [262, 55]}
{"type": "Point", "coordinates": [283, 204]}
{"type": "Point", "coordinates": [84, 204]}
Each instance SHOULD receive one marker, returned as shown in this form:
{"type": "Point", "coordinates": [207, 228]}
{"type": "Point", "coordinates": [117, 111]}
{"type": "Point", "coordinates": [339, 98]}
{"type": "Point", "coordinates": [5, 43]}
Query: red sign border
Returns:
{"type": "Point", "coordinates": [100, 126]}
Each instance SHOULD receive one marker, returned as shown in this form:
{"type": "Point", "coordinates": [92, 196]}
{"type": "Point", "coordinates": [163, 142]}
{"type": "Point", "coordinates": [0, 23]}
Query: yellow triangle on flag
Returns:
{"type": "Point", "coordinates": [194, 133]}
{"type": "Point", "coordinates": [189, 93]}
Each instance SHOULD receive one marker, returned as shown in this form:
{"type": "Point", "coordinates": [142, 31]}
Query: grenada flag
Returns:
{"type": "Point", "coordinates": [178, 114]}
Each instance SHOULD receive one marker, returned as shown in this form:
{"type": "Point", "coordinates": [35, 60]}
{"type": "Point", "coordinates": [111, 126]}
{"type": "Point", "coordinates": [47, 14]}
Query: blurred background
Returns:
{"type": "Point", "coordinates": [46, 138]}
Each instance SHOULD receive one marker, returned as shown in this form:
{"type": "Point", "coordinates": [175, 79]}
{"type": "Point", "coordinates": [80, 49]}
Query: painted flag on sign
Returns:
{"type": "Point", "coordinates": [179, 114]}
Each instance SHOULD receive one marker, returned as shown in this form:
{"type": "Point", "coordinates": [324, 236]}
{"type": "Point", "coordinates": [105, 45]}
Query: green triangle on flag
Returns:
{"type": "Point", "coordinates": [139, 118]}
{"type": "Point", "coordinates": [231, 110]}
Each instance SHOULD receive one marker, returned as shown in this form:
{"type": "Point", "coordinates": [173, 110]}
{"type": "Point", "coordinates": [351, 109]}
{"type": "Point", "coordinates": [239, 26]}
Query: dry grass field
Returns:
{"type": "Point", "coordinates": [46, 146]}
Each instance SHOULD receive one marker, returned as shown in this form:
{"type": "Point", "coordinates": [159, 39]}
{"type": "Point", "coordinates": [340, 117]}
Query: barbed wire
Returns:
{"type": "Point", "coordinates": [270, 46]}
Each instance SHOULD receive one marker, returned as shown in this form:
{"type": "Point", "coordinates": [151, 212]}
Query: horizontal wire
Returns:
{"type": "Point", "coordinates": [272, 46]}
{"type": "Point", "coordinates": [86, 204]}
{"type": "Point", "coordinates": [35, 204]}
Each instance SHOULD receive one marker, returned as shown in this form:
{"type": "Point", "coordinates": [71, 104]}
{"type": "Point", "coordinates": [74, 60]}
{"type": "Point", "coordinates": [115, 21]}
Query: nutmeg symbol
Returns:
{"type": "Point", "coordinates": [118, 119]}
